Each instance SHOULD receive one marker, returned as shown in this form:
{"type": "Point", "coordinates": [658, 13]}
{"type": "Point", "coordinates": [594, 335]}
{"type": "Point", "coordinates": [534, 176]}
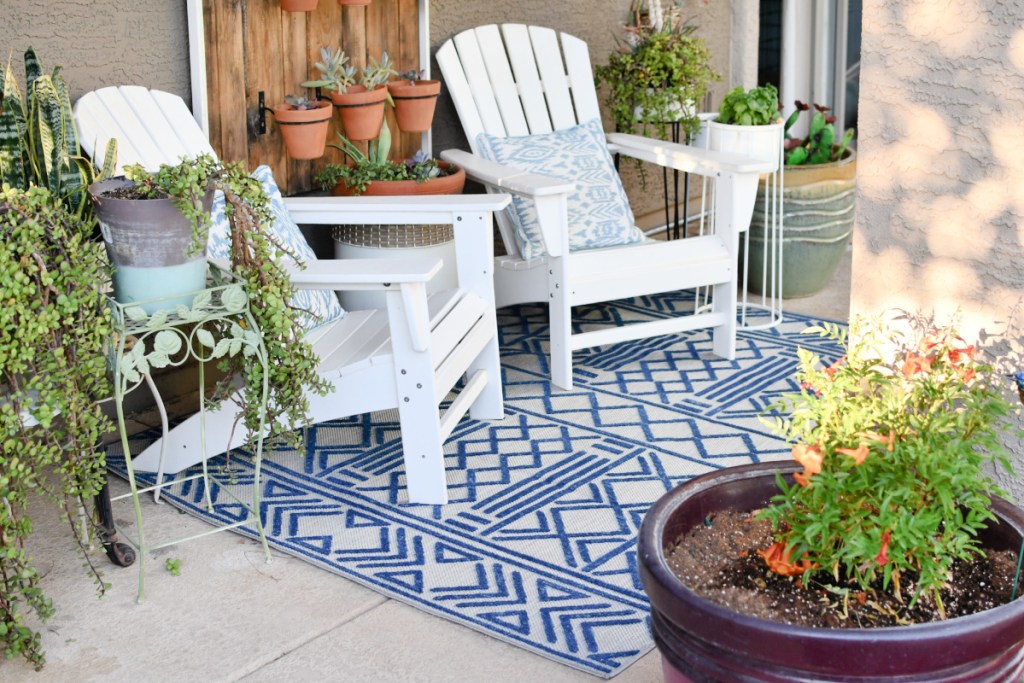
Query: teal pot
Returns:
{"type": "Point", "coordinates": [702, 641]}
{"type": "Point", "coordinates": [818, 203]}
{"type": "Point", "coordinates": [148, 244]}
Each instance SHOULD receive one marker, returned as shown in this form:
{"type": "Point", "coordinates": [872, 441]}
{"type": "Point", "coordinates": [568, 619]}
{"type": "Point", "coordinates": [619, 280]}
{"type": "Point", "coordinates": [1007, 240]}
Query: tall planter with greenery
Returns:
{"type": "Point", "coordinates": [659, 74]}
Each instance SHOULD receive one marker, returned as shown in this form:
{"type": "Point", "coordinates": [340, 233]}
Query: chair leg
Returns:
{"type": "Point", "coordinates": [723, 337]}
{"type": "Point", "coordinates": [490, 404]}
{"type": "Point", "coordinates": [559, 326]}
{"type": "Point", "coordinates": [421, 434]}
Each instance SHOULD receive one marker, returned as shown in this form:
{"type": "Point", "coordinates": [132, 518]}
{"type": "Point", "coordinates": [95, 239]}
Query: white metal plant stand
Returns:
{"type": "Point", "coordinates": [760, 296]}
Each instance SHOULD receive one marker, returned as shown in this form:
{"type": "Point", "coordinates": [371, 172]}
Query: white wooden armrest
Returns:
{"type": "Point", "coordinates": [505, 177]}
{"type": "Point", "coordinates": [550, 195]}
{"type": "Point", "coordinates": [680, 157]}
{"type": "Point", "coordinates": [358, 274]}
{"type": "Point", "coordinates": [413, 210]}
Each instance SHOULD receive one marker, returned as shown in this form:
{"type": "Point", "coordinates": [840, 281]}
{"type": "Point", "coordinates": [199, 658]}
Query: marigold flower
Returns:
{"type": "Point", "coordinates": [883, 554]}
{"type": "Point", "coordinates": [858, 454]}
{"type": "Point", "coordinates": [777, 557]}
{"type": "Point", "coordinates": [916, 364]}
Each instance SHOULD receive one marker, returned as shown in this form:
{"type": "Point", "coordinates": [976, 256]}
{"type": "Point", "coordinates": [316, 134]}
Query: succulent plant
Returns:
{"type": "Point", "coordinates": [378, 73]}
{"type": "Point", "coordinates": [335, 71]}
{"type": "Point", "coordinates": [300, 103]}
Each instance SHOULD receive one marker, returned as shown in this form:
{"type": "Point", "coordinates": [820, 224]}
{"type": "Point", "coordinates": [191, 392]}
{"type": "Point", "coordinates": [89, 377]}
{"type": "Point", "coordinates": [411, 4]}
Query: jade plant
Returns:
{"type": "Point", "coordinates": [54, 329]}
{"type": "Point", "coordinates": [819, 147]}
{"type": "Point", "coordinates": [896, 439]}
{"type": "Point", "coordinates": [257, 261]}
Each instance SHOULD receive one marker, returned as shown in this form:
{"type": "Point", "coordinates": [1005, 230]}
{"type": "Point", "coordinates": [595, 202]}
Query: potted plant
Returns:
{"type": "Point", "coordinates": [414, 99]}
{"type": "Point", "coordinates": [748, 123]}
{"type": "Point", "coordinates": [374, 173]}
{"type": "Point", "coordinates": [659, 74]}
{"type": "Point", "coordinates": [888, 528]}
{"type": "Point", "coordinates": [304, 126]}
{"type": "Point", "coordinates": [361, 104]}
{"type": "Point", "coordinates": [298, 5]}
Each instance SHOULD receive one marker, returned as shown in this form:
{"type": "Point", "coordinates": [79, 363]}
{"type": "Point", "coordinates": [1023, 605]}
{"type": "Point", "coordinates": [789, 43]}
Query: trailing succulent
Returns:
{"type": "Point", "coordinates": [256, 261]}
{"type": "Point", "coordinates": [54, 328]}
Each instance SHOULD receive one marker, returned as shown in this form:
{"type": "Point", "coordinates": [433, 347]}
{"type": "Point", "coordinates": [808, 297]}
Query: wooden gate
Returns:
{"type": "Point", "coordinates": [254, 46]}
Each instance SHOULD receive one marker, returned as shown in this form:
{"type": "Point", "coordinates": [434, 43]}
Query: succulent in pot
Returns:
{"type": "Point", "coordinates": [361, 101]}
{"type": "Point", "coordinates": [415, 99]}
{"type": "Point", "coordinates": [304, 125]}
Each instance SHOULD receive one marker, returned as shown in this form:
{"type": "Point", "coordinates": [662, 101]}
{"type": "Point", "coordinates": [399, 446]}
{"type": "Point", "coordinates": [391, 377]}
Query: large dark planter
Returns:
{"type": "Point", "coordinates": [148, 244]}
{"type": "Point", "coordinates": [701, 641]}
{"type": "Point", "coordinates": [818, 203]}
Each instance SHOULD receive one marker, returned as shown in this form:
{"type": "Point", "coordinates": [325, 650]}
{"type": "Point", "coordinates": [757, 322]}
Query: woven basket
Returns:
{"type": "Point", "coordinates": [393, 236]}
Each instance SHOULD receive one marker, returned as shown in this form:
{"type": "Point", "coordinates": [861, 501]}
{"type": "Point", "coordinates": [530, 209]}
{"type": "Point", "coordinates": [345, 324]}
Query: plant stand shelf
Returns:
{"type": "Point", "coordinates": [218, 322]}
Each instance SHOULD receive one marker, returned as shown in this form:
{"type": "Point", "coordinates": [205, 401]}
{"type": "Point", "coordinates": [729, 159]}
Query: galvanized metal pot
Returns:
{"type": "Point", "coordinates": [701, 641]}
{"type": "Point", "coordinates": [148, 244]}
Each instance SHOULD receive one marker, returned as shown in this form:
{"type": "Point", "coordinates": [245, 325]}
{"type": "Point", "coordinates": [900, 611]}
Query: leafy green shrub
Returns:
{"type": "Point", "coordinates": [894, 438]}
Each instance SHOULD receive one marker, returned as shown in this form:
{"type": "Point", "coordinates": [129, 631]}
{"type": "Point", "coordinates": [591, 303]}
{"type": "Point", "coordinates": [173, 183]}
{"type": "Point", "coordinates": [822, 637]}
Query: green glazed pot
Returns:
{"type": "Point", "coordinates": [818, 203]}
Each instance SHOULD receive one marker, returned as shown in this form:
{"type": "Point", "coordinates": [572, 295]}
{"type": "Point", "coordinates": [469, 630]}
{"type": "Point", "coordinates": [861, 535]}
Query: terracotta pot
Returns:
{"type": "Point", "coordinates": [449, 184]}
{"type": "Point", "coordinates": [414, 103]}
{"type": "Point", "coordinates": [818, 204]}
{"type": "Point", "coordinates": [298, 5]}
{"type": "Point", "coordinates": [304, 131]}
{"type": "Point", "coordinates": [701, 641]}
{"type": "Point", "coordinates": [148, 242]}
{"type": "Point", "coordinates": [362, 111]}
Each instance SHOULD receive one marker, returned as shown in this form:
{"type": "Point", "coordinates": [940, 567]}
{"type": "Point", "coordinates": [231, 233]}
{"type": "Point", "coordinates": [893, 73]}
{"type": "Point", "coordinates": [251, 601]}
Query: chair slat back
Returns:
{"type": "Point", "coordinates": [518, 80]}
{"type": "Point", "coordinates": [152, 127]}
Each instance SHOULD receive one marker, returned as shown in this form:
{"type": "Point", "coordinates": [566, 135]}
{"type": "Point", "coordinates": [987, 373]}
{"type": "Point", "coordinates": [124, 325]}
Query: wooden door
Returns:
{"type": "Point", "coordinates": [254, 46]}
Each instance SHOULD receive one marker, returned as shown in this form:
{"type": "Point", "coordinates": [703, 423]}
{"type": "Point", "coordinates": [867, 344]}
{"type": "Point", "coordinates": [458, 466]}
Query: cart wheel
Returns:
{"type": "Point", "coordinates": [121, 554]}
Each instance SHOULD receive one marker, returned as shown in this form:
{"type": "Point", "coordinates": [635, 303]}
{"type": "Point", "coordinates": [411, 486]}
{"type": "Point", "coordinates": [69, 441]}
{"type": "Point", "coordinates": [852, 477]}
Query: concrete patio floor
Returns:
{"type": "Point", "coordinates": [230, 616]}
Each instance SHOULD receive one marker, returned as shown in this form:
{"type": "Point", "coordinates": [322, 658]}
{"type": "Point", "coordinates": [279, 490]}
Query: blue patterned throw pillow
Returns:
{"type": "Point", "coordinates": [321, 305]}
{"type": "Point", "coordinates": [599, 213]}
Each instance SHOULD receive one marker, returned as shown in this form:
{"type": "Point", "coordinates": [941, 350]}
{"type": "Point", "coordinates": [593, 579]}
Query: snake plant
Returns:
{"type": "Point", "coordinates": [38, 140]}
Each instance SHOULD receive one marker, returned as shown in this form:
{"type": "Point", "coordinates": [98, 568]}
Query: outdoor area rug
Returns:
{"type": "Point", "coordinates": [538, 544]}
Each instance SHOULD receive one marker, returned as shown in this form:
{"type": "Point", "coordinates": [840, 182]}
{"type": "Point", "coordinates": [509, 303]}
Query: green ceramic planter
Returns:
{"type": "Point", "coordinates": [818, 205]}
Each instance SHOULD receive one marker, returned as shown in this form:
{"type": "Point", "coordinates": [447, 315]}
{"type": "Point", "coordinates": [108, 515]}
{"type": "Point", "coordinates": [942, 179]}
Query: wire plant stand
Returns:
{"type": "Point", "coordinates": [160, 333]}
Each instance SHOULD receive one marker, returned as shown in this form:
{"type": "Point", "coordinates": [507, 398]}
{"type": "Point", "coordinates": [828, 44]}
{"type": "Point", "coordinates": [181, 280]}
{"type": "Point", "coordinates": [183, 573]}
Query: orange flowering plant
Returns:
{"type": "Point", "coordinates": [894, 439]}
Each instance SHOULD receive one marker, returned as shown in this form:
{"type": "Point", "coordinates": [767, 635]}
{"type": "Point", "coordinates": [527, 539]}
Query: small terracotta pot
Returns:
{"type": "Point", "coordinates": [304, 131]}
{"type": "Point", "coordinates": [298, 5]}
{"type": "Point", "coordinates": [362, 111]}
{"type": "Point", "coordinates": [414, 103]}
{"type": "Point", "coordinates": [449, 184]}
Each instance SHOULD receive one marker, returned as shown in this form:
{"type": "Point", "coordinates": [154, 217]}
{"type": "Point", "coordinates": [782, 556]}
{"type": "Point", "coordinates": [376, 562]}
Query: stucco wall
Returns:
{"type": "Point", "coordinates": [101, 42]}
{"type": "Point", "coordinates": [940, 177]}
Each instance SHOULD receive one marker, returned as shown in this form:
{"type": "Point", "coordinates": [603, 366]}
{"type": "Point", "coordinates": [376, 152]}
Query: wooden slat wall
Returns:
{"type": "Point", "coordinates": [252, 45]}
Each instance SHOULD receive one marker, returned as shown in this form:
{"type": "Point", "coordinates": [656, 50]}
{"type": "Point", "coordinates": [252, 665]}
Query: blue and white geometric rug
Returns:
{"type": "Point", "coordinates": [538, 544]}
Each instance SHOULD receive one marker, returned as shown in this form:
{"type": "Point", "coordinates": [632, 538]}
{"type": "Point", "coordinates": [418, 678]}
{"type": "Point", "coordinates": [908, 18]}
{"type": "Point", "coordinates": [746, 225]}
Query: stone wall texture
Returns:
{"type": "Point", "coordinates": [940, 222]}
{"type": "Point", "coordinates": [101, 42]}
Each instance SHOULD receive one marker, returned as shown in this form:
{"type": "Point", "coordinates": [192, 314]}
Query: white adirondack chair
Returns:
{"type": "Point", "coordinates": [407, 356]}
{"type": "Point", "coordinates": [520, 80]}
